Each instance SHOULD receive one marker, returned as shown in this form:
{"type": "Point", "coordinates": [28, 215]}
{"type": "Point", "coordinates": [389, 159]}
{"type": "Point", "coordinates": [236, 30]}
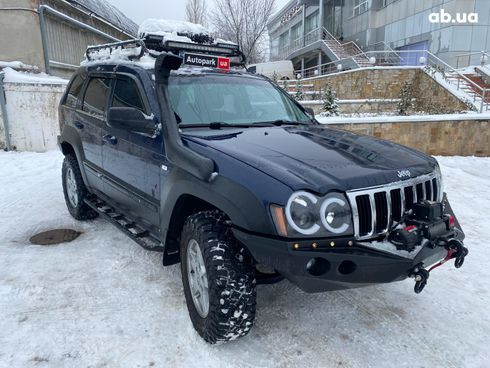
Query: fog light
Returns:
{"type": "Point", "coordinates": [318, 266]}
{"type": "Point", "coordinates": [296, 246]}
{"type": "Point", "coordinates": [332, 244]}
{"type": "Point", "coordinates": [350, 243]}
{"type": "Point", "coordinates": [314, 245]}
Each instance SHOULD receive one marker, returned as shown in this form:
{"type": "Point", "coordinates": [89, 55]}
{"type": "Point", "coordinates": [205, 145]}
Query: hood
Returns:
{"type": "Point", "coordinates": [317, 158]}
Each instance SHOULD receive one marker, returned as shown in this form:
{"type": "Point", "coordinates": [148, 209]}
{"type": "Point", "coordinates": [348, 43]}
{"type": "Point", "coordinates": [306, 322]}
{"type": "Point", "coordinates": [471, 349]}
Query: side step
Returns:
{"type": "Point", "coordinates": [127, 226]}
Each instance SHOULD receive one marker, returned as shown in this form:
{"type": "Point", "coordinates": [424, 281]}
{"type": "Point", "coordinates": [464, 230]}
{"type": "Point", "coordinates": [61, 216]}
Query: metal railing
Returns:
{"type": "Point", "coordinates": [482, 57]}
{"type": "Point", "coordinates": [318, 35]}
{"type": "Point", "coordinates": [438, 69]}
{"type": "Point", "coordinates": [50, 38]}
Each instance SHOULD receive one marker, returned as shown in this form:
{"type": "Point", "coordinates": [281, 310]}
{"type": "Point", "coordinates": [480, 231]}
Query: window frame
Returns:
{"type": "Point", "coordinates": [139, 88]}
{"type": "Point", "coordinates": [85, 89]}
{"type": "Point", "coordinates": [356, 9]}
{"type": "Point", "coordinates": [81, 94]}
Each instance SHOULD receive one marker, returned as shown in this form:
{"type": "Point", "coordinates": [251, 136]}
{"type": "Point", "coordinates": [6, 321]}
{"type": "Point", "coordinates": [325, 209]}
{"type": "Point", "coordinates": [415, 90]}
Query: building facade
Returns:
{"type": "Point", "coordinates": [54, 34]}
{"type": "Point", "coordinates": [312, 32]}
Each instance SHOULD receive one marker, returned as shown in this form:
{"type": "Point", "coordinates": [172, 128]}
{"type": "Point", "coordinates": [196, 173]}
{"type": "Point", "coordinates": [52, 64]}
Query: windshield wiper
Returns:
{"type": "Point", "coordinates": [280, 122]}
{"type": "Point", "coordinates": [221, 124]}
{"type": "Point", "coordinates": [215, 125]}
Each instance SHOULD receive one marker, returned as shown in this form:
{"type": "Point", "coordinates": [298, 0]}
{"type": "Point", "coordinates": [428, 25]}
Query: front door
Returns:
{"type": "Point", "coordinates": [132, 161]}
{"type": "Point", "coordinates": [89, 120]}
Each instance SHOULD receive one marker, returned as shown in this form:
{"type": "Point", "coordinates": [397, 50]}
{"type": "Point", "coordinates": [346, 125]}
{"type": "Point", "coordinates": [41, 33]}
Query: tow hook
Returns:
{"type": "Point", "coordinates": [421, 275]}
{"type": "Point", "coordinates": [459, 251]}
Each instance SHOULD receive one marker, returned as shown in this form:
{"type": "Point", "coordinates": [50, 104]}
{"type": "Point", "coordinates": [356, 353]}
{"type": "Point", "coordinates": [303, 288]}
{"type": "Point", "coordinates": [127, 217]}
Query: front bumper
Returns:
{"type": "Point", "coordinates": [337, 263]}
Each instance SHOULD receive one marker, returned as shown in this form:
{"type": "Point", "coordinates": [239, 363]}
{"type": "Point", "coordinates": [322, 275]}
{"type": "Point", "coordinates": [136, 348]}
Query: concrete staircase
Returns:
{"type": "Point", "coordinates": [312, 97]}
{"type": "Point", "coordinates": [472, 84]}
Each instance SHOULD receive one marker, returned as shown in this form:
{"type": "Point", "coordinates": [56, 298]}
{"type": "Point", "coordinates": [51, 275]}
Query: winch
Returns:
{"type": "Point", "coordinates": [426, 223]}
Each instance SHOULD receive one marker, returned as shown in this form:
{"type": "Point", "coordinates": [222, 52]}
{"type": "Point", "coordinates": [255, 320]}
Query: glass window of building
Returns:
{"type": "Point", "coordinates": [283, 40]}
{"type": "Point", "coordinates": [360, 6]}
{"type": "Point", "coordinates": [311, 22]}
{"type": "Point", "coordinates": [296, 32]}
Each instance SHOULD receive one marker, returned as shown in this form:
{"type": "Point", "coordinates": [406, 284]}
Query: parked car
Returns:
{"type": "Point", "coordinates": [278, 70]}
{"type": "Point", "coordinates": [224, 172]}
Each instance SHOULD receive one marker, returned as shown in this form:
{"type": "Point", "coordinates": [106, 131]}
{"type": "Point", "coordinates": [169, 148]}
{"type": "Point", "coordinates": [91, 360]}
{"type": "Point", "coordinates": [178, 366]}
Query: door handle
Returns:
{"type": "Point", "coordinates": [78, 125]}
{"type": "Point", "coordinates": [110, 139]}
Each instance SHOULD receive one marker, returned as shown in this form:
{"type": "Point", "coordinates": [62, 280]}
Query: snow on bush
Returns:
{"type": "Point", "coordinates": [330, 105]}
{"type": "Point", "coordinates": [299, 96]}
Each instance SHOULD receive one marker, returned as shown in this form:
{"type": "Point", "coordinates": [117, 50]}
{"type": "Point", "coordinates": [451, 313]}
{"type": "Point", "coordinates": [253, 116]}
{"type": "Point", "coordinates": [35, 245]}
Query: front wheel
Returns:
{"type": "Point", "coordinates": [219, 281]}
{"type": "Point", "coordinates": [74, 190]}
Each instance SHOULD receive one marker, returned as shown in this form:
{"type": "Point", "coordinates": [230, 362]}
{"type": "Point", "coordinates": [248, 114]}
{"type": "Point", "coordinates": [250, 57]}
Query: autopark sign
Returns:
{"type": "Point", "coordinates": [207, 61]}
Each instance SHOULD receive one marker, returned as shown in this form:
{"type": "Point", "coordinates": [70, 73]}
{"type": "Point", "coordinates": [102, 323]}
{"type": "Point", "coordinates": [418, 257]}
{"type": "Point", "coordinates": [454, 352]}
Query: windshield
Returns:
{"type": "Point", "coordinates": [232, 100]}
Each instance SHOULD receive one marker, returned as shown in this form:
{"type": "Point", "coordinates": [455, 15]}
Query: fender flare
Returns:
{"type": "Point", "coordinates": [216, 193]}
{"type": "Point", "coordinates": [70, 135]}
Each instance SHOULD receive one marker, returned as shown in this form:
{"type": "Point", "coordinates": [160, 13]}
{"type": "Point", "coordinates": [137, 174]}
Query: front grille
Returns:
{"type": "Point", "coordinates": [375, 210]}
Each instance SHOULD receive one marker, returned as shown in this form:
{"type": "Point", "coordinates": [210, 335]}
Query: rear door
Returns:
{"type": "Point", "coordinates": [132, 161]}
{"type": "Point", "coordinates": [89, 119]}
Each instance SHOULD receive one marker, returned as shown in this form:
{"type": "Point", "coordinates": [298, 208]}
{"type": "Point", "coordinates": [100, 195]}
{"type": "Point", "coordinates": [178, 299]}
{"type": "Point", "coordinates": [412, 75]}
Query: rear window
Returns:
{"type": "Point", "coordinates": [74, 92]}
{"type": "Point", "coordinates": [95, 100]}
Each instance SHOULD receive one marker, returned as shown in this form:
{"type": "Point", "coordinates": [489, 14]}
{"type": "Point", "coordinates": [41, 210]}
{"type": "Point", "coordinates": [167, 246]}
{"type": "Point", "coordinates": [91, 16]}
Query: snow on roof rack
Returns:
{"type": "Point", "coordinates": [135, 49]}
{"type": "Point", "coordinates": [101, 52]}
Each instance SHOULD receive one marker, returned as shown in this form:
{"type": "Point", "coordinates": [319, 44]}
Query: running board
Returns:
{"type": "Point", "coordinates": [129, 227]}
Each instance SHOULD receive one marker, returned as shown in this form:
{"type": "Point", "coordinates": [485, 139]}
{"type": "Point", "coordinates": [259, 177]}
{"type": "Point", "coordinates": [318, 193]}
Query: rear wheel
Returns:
{"type": "Point", "coordinates": [74, 190]}
{"type": "Point", "coordinates": [218, 278]}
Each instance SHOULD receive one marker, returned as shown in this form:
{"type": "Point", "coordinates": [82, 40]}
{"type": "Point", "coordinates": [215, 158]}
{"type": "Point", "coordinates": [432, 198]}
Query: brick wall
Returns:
{"type": "Point", "coordinates": [445, 138]}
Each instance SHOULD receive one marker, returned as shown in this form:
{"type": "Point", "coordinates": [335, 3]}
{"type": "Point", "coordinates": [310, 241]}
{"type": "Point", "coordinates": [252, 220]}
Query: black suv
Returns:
{"type": "Point", "coordinates": [224, 172]}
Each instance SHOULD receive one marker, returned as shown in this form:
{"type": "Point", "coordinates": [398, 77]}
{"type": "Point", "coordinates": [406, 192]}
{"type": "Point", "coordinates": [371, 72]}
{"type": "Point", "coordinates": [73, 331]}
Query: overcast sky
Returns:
{"type": "Point", "coordinates": [139, 10]}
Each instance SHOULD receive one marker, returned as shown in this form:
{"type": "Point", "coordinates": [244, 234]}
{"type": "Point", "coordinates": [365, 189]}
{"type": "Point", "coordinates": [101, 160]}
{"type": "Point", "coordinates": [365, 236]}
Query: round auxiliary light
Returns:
{"type": "Point", "coordinates": [339, 67]}
{"type": "Point", "coordinates": [333, 215]}
{"type": "Point", "coordinates": [372, 60]}
{"type": "Point", "coordinates": [299, 213]}
{"type": "Point", "coordinates": [422, 60]}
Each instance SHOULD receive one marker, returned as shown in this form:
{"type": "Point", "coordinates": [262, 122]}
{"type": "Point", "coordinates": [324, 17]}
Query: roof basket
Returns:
{"type": "Point", "coordinates": [94, 52]}
{"type": "Point", "coordinates": [157, 43]}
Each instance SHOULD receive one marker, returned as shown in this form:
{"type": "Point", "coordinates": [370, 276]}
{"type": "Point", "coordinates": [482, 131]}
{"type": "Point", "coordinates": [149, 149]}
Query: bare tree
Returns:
{"type": "Point", "coordinates": [195, 11]}
{"type": "Point", "coordinates": [244, 22]}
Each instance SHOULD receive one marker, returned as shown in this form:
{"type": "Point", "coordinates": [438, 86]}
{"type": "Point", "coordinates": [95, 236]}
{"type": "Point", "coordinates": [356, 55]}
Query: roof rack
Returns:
{"type": "Point", "coordinates": [131, 44]}
{"type": "Point", "coordinates": [157, 43]}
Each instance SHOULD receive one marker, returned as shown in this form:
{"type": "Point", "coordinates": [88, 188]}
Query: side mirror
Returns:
{"type": "Point", "coordinates": [310, 111]}
{"type": "Point", "coordinates": [131, 119]}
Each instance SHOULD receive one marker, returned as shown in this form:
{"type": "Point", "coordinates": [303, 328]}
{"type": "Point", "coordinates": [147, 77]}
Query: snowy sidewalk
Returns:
{"type": "Point", "coordinates": [104, 301]}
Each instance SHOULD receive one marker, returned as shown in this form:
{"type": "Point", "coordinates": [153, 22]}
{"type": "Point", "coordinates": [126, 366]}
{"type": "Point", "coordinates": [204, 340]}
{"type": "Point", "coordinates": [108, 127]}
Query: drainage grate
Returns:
{"type": "Point", "coordinates": [52, 237]}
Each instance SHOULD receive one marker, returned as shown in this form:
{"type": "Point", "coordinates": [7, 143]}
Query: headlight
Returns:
{"type": "Point", "coordinates": [306, 214]}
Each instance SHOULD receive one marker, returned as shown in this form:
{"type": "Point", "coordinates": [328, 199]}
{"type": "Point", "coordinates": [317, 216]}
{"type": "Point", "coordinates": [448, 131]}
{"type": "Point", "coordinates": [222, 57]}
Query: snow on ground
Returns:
{"type": "Point", "coordinates": [104, 301]}
{"type": "Point", "coordinates": [384, 117]}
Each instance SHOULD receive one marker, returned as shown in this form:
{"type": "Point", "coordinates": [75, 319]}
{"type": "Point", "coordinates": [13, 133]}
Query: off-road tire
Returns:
{"type": "Point", "coordinates": [82, 211]}
{"type": "Point", "coordinates": [231, 279]}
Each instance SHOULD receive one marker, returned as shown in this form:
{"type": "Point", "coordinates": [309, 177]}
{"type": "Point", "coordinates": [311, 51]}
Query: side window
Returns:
{"type": "Point", "coordinates": [126, 95]}
{"type": "Point", "coordinates": [96, 96]}
{"type": "Point", "coordinates": [74, 92]}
